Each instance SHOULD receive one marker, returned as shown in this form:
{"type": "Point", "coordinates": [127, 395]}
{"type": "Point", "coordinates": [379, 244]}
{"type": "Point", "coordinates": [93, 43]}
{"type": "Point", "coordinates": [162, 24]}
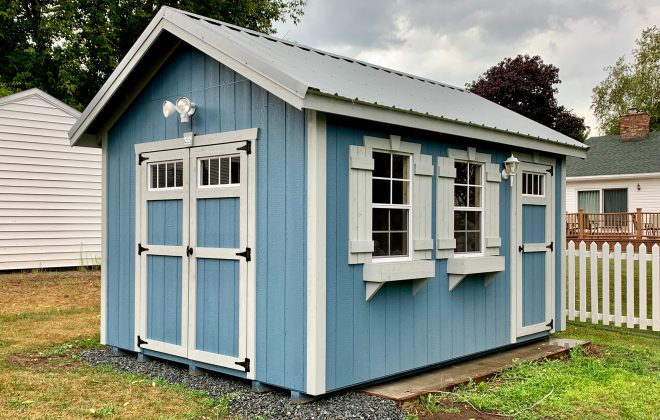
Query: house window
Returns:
{"type": "Point", "coordinates": [468, 207]}
{"type": "Point", "coordinates": [589, 201]}
{"type": "Point", "coordinates": [533, 184]}
{"type": "Point", "coordinates": [218, 171]}
{"type": "Point", "coordinates": [615, 200]}
{"type": "Point", "coordinates": [391, 205]}
{"type": "Point", "coordinates": [166, 175]}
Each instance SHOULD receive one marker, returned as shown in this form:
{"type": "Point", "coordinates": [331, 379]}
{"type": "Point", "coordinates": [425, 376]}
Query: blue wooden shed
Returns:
{"type": "Point", "coordinates": [319, 222]}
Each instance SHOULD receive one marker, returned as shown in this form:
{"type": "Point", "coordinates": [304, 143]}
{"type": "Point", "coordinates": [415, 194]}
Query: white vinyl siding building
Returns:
{"type": "Point", "coordinates": [50, 193]}
{"type": "Point", "coordinates": [646, 196]}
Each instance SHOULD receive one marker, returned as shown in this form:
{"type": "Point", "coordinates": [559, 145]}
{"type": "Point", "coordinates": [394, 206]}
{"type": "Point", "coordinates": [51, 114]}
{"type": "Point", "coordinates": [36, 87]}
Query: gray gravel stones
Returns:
{"type": "Point", "coordinates": [247, 404]}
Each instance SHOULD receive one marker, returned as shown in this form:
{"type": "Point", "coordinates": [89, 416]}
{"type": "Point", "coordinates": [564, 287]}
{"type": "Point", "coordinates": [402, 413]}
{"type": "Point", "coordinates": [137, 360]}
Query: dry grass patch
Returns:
{"type": "Point", "coordinates": [44, 318]}
{"type": "Point", "coordinates": [48, 290]}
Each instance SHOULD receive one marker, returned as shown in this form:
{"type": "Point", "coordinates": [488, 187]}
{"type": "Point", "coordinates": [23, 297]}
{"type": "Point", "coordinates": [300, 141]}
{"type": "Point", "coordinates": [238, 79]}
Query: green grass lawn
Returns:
{"type": "Point", "coordinates": [619, 377]}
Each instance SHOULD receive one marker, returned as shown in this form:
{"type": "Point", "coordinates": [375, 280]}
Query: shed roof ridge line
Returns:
{"type": "Point", "coordinates": [295, 44]}
{"type": "Point", "coordinates": [36, 92]}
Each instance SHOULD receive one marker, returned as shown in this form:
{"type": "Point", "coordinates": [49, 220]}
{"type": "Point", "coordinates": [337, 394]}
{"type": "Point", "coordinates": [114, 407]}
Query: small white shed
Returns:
{"type": "Point", "coordinates": [50, 193]}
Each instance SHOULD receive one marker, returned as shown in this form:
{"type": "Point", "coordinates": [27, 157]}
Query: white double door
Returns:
{"type": "Point", "coordinates": [192, 233]}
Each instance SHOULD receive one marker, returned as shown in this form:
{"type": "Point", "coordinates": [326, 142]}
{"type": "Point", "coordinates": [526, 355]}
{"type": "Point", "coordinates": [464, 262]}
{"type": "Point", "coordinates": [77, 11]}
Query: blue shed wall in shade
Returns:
{"type": "Point", "coordinates": [226, 102]}
{"type": "Point", "coordinates": [396, 331]}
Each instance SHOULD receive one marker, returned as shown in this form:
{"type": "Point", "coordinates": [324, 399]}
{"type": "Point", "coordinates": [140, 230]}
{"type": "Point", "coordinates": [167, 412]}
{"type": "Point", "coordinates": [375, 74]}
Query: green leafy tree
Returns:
{"type": "Point", "coordinates": [631, 85]}
{"type": "Point", "coordinates": [526, 85]}
{"type": "Point", "coordinates": [70, 47]}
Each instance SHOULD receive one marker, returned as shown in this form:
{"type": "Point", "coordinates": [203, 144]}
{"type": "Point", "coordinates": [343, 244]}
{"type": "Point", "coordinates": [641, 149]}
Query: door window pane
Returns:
{"type": "Point", "coordinates": [166, 175]}
{"type": "Point", "coordinates": [219, 171]}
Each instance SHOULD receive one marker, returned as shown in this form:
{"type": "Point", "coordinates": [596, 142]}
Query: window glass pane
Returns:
{"type": "Point", "coordinates": [473, 219]}
{"type": "Point", "coordinates": [170, 175]}
{"type": "Point", "coordinates": [460, 241]}
{"type": "Point", "coordinates": [459, 220]}
{"type": "Point", "coordinates": [400, 167]}
{"type": "Point", "coordinates": [525, 183]}
{"type": "Point", "coordinates": [475, 174]}
{"type": "Point", "coordinates": [161, 175]}
{"type": "Point", "coordinates": [224, 171]}
{"type": "Point", "coordinates": [381, 247]}
{"type": "Point", "coordinates": [475, 197]}
{"type": "Point", "coordinates": [381, 191]}
{"type": "Point", "coordinates": [214, 171]}
{"type": "Point", "coordinates": [381, 164]}
{"type": "Point", "coordinates": [460, 196]}
{"type": "Point", "coordinates": [380, 220]}
{"type": "Point", "coordinates": [589, 201]}
{"type": "Point", "coordinates": [204, 175]}
{"type": "Point", "coordinates": [179, 174]}
{"type": "Point", "coordinates": [398, 219]}
{"type": "Point", "coordinates": [399, 243]}
{"type": "Point", "coordinates": [461, 172]}
{"type": "Point", "coordinates": [154, 176]}
{"type": "Point", "coordinates": [615, 200]}
{"type": "Point", "coordinates": [399, 192]}
{"type": "Point", "coordinates": [235, 170]}
{"type": "Point", "coordinates": [473, 244]}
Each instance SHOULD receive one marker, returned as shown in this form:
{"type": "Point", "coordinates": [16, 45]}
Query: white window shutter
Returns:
{"type": "Point", "coordinates": [361, 244]}
{"type": "Point", "coordinates": [422, 207]}
{"type": "Point", "coordinates": [445, 208]}
{"type": "Point", "coordinates": [492, 209]}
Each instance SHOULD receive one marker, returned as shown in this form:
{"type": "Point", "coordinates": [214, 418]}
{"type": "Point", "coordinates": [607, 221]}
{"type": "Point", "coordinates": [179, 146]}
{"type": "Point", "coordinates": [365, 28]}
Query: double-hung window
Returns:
{"type": "Point", "coordinates": [468, 207]}
{"type": "Point", "coordinates": [391, 208]}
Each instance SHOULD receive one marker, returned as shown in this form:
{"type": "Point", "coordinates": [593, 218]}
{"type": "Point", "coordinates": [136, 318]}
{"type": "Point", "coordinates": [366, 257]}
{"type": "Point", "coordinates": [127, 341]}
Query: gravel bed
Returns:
{"type": "Point", "coordinates": [246, 403]}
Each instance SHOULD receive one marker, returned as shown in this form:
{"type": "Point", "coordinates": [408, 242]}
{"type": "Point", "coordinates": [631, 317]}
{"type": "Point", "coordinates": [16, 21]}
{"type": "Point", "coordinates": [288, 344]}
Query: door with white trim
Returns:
{"type": "Point", "coordinates": [162, 251]}
{"type": "Point", "coordinates": [534, 262]}
{"type": "Point", "coordinates": [219, 256]}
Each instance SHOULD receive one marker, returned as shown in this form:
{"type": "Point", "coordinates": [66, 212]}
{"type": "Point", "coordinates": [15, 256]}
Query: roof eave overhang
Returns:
{"type": "Point", "coordinates": [334, 104]}
{"type": "Point", "coordinates": [202, 38]}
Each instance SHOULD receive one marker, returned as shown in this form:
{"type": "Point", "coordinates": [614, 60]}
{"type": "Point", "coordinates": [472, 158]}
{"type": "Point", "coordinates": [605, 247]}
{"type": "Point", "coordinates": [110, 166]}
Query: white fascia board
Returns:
{"type": "Point", "coordinates": [372, 112]}
{"type": "Point", "coordinates": [613, 177]}
{"type": "Point", "coordinates": [203, 36]}
{"type": "Point", "coordinates": [117, 77]}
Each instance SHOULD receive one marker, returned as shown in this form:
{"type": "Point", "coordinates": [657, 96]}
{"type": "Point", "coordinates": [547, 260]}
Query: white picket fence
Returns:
{"type": "Point", "coordinates": [602, 313]}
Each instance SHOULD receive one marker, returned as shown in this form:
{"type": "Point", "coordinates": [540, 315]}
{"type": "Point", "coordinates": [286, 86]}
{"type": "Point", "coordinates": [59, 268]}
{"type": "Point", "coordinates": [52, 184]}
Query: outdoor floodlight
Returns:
{"type": "Point", "coordinates": [510, 168]}
{"type": "Point", "coordinates": [183, 106]}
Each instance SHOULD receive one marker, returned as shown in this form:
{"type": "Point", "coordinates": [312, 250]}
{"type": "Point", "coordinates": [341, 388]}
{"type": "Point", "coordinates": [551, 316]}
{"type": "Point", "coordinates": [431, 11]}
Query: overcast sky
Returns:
{"type": "Point", "coordinates": [454, 41]}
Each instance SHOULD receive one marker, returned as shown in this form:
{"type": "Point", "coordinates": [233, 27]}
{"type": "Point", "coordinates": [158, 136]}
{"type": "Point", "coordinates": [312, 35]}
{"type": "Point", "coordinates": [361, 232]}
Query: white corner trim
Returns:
{"type": "Point", "coordinates": [316, 252]}
{"type": "Point", "coordinates": [104, 239]}
{"type": "Point", "coordinates": [561, 248]}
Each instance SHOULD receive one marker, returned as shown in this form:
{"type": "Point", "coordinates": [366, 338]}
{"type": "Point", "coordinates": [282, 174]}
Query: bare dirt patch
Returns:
{"type": "Point", "coordinates": [38, 361]}
{"type": "Point", "coordinates": [47, 290]}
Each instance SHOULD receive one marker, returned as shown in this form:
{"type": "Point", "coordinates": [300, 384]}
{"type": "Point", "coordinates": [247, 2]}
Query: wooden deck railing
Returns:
{"type": "Point", "coordinates": [637, 227]}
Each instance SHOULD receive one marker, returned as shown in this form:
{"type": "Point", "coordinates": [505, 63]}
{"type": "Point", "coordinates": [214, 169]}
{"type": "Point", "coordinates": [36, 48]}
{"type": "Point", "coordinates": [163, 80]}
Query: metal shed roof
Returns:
{"type": "Point", "coordinates": [310, 78]}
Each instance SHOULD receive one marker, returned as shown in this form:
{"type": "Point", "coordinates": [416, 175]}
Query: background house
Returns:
{"type": "Point", "coordinates": [50, 193]}
{"type": "Point", "coordinates": [620, 174]}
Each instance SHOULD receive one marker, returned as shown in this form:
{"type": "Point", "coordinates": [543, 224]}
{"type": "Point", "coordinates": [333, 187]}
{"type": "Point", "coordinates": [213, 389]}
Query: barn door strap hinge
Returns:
{"type": "Point", "coordinates": [141, 249]}
{"type": "Point", "coordinates": [245, 364]}
{"type": "Point", "coordinates": [189, 250]}
{"type": "Point", "coordinates": [247, 254]}
{"type": "Point", "coordinates": [141, 159]}
{"type": "Point", "coordinates": [551, 246]}
{"type": "Point", "coordinates": [247, 147]}
{"type": "Point", "coordinates": [521, 248]}
{"type": "Point", "coordinates": [551, 171]}
{"type": "Point", "coordinates": [140, 341]}
{"type": "Point", "coordinates": [550, 324]}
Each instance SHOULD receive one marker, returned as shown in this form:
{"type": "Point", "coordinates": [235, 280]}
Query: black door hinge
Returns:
{"type": "Point", "coordinates": [245, 364]}
{"type": "Point", "coordinates": [551, 171]}
{"type": "Point", "coordinates": [140, 341]}
{"type": "Point", "coordinates": [141, 249]}
{"type": "Point", "coordinates": [141, 159]}
{"type": "Point", "coordinates": [551, 246]}
{"type": "Point", "coordinates": [550, 324]}
{"type": "Point", "coordinates": [521, 248]}
{"type": "Point", "coordinates": [247, 254]}
{"type": "Point", "coordinates": [189, 250]}
{"type": "Point", "coordinates": [247, 147]}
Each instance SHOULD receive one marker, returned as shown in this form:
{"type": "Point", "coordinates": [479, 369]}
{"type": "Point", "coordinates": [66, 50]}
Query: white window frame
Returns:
{"type": "Point", "coordinates": [480, 209]}
{"type": "Point", "coordinates": [150, 173]}
{"type": "Point", "coordinates": [409, 207]}
{"type": "Point", "coordinates": [199, 173]}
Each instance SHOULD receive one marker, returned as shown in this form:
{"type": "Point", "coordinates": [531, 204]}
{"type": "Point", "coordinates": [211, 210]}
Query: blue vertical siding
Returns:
{"type": "Point", "coordinates": [165, 219]}
{"type": "Point", "coordinates": [217, 306]}
{"type": "Point", "coordinates": [226, 101]}
{"type": "Point", "coordinates": [396, 331]}
{"type": "Point", "coordinates": [533, 288]}
{"type": "Point", "coordinates": [164, 301]}
{"type": "Point", "coordinates": [559, 245]}
{"type": "Point", "coordinates": [533, 224]}
{"type": "Point", "coordinates": [218, 222]}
